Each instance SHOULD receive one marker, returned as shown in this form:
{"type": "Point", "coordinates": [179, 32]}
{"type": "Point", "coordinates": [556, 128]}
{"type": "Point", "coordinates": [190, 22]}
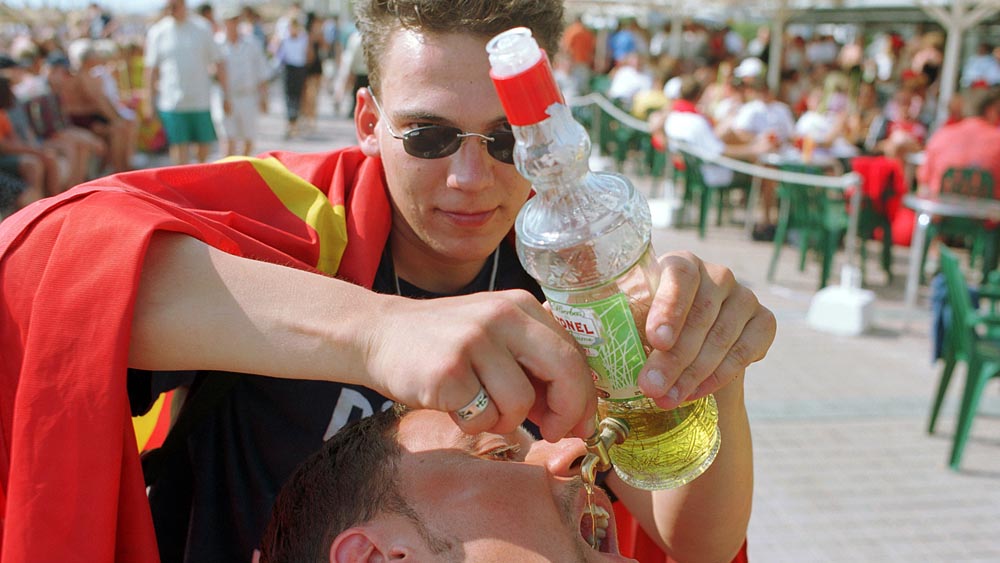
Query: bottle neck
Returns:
{"type": "Point", "coordinates": [552, 153]}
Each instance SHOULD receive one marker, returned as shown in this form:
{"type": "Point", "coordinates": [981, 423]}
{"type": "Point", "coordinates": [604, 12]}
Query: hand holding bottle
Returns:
{"type": "Point", "coordinates": [705, 329]}
{"type": "Point", "coordinates": [504, 342]}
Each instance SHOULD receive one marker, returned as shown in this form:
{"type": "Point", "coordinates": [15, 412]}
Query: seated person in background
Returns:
{"type": "Point", "coordinates": [905, 134]}
{"type": "Point", "coordinates": [87, 105]}
{"type": "Point", "coordinates": [720, 97]}
{"type": "Point", "coordinates": [821, 131]}
{"type": "Point", "coordinates": [402, 485]}
{"type": "Point", "coordinates": [654, 98]}
{"type": "Point", "coordinates": [763, 115]}
{"type": "Point", "coordinates": [865, 123]}
{"type": "Point", "coordinates": [973, 141]}
{"type": "Point", "coordinates": [981, 68]}
{"type": "Point", "coordinates": [628, 78]}
{"type": "Point", "coordinates": [107, 66]}
{"type": "Point", "coordinates": [686, 125]}
{"type": "Point", "coordinates": [37, 165]}
{"type": "Point", "coordinates": [84, 150]}
{"type": "Point", "coordinates": [749, 70]}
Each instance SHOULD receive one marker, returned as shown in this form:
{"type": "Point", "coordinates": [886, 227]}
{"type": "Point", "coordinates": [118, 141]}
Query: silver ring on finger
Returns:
{"type": "Point", "coordinates": [475, 406]}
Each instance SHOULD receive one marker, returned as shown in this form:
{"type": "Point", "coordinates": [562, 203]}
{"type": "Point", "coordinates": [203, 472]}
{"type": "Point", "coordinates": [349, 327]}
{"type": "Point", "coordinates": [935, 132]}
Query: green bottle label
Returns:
{"type": "Point", "coordinates": [607, 332]}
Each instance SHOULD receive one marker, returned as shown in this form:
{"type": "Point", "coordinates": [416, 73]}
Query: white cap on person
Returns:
{"type": "Point", "coordinates": [750, 67]}
{"type": "Point", "coordinates": [228, 11]}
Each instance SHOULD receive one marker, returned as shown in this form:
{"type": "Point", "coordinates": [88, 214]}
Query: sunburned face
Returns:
{"type": "Point", "coordinates": [501, 498]}
{"type": "Point", "coordinates": [449, 213]}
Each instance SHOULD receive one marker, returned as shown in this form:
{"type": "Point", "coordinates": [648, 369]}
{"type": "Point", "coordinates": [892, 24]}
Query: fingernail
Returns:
{"type": "Point", "coordinates": [665, 334]}
{"type": "Point", "coordinates": [656, 381]}
{"type": "Point", "coordinates": [674, 393]}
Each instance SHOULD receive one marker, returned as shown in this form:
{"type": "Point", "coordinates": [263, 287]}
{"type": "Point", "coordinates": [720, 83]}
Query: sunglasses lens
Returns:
{"type": "Point", "coordinates": [502, 146]}
{"type": "Point", "coordinates": [433, 141]}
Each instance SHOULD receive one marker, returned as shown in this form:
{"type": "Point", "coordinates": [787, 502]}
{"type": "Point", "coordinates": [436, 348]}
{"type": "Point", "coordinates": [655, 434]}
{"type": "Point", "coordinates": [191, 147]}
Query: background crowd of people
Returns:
{"type": "Point", "coordinates": [80, 99]}
{"type": "Point", "coordinates": [864, 94]}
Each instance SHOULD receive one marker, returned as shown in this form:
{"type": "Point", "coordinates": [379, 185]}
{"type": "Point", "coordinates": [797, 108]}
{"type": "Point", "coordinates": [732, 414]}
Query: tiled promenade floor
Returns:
{"type": "Point", "coordinates": [844, 468]}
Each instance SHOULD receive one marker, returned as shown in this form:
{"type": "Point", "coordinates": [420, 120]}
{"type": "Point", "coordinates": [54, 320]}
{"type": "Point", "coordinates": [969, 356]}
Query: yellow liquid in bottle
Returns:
{"type": "Point", "coordinates": [664, 449]}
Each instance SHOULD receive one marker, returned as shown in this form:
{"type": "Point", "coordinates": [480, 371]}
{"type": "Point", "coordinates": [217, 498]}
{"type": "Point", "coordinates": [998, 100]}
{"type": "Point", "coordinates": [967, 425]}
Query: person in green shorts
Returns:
{"type": "Point", "coordinates": [181, 60]}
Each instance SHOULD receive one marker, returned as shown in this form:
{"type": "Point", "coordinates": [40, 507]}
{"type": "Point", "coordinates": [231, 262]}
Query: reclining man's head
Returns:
{"type": "Point", "coordinates": [410, 484]}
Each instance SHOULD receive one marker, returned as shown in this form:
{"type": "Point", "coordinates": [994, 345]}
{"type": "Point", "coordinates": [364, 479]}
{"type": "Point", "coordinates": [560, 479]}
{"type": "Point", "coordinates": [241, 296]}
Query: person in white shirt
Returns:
{"type": "Point", "coordinates": [824, 124]}
{"type": "Point", "coordinates": [982, 67]}
{"type": "Point", "coordinates": [628, 78]}
{"type": "Point", "coordinates": [180, 61]}
{"type": "Point", "coordinates": [247, 85]}
{"type": "Point", "coordinates": [763, 115]}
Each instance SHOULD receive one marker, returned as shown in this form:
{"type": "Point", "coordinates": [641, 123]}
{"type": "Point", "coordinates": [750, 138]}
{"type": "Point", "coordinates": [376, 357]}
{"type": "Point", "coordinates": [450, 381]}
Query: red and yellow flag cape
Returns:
{"type": "Point", "coordinates": [71, 486]}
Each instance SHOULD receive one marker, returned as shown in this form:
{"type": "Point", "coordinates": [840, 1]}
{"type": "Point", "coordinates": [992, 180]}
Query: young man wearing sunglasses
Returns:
{"type": "Point", "coordinates": [214, 267]}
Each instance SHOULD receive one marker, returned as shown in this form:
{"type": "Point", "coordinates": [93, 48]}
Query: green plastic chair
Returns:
{"type": "Point", "coordinates": [970, 339]}
{"type": "Point", "coordinates": [967, 182]}
{"type": "Point", "coordinates": [696, 191]}
{"type": "Point", "coordinates": [817, 213]}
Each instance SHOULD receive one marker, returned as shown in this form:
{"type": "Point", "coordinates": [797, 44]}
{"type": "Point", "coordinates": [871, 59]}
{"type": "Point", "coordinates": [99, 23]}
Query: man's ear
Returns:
{"type": "Point", "coordinates": [366, 118]}
{"type": "Point", "coordinates": [368, 544]}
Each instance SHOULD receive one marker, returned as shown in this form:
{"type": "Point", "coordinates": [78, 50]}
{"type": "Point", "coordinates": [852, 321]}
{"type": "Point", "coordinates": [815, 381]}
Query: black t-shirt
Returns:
{"type": "Point", "coordinates": [212, 505]}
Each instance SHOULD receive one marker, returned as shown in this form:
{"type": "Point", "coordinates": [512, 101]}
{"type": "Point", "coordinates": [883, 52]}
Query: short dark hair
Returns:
{"type": "Point", "coordinates": [988, 99]}
{"type": "Point", "coordinates": [377, 20]}
{"type": "Point", "coordinates": [351, 480]}
{"type": "Point", "coordinates": [691, 88]}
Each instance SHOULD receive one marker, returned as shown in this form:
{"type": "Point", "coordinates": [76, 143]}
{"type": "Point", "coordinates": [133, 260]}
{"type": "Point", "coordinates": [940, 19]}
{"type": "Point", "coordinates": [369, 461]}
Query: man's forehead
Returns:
{"type": "Point", "coordinates": [419, 60]}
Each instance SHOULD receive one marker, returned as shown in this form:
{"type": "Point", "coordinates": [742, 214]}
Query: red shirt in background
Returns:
{"type": "Point", "coordinates": [971, 142]}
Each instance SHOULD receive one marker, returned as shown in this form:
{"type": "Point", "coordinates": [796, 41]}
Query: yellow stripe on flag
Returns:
{"type": "Point", "coordinates": [308, 203]}
{"type": "Point", "coordinates": [145, 424]}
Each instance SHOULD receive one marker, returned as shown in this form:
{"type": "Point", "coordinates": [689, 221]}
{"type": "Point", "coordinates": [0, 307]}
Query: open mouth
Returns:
{"type": "Point", "coordinates": [594, 527]}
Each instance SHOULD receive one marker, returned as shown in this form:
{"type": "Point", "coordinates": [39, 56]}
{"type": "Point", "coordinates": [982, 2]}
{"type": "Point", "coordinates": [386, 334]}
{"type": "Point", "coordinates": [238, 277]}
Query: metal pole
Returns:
{"type": "Point", "coordinates": [776, 45]}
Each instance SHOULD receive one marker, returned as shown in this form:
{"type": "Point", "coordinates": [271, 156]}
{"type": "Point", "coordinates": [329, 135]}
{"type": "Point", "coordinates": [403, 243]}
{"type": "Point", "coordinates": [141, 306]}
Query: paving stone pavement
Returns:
{"type": "Point", "coordinates": [844, 468]}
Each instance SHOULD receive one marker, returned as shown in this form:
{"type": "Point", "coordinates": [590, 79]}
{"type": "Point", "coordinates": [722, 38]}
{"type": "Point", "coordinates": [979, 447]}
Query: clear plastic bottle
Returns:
{"type": "Point", "coordinates": [585, 237]}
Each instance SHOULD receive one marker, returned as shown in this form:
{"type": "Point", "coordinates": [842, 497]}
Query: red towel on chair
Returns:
{"type": "Point", "coordinates": [879, 174]}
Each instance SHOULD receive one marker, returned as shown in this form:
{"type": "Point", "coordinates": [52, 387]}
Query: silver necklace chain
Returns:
{"type": "Point", "coordinates": [493, 275]}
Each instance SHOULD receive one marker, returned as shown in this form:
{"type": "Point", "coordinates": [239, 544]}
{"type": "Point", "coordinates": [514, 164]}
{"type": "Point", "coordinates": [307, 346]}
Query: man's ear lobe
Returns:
{"type": "Point", "coordinates": [355, 546]}
{"type": "Point", "coordinates": [369, 545]}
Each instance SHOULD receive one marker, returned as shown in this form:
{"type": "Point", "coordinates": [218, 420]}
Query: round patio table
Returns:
{"type": "Point", "coordinates": [928, 206]}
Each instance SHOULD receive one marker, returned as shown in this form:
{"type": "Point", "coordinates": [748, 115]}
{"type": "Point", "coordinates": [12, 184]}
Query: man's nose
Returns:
{"type": "Point", "coordinates": [562, 458]}
{"type": "Point", "coordinates": [471, 166]}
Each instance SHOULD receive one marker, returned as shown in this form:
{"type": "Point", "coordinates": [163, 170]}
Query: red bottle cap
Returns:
{"type": "Point", "coordinates": [527, 95]}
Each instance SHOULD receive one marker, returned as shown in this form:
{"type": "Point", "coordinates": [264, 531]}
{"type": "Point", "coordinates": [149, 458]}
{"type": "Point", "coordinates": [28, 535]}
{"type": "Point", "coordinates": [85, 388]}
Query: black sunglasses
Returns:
{"type": "Point", "coordinates": [439, 141]}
